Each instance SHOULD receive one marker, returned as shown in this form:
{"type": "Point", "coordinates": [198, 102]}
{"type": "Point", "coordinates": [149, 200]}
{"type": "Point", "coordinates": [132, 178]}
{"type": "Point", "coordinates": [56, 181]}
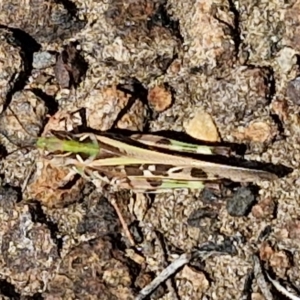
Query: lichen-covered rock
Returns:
{"type": "Point", "coordinates": [53, 187]}
{"type": "Point", "coordinates": [12, 66]}
{"type": "Point", "coordinates": [20, 125]}
{"type": "Point", "coordinates": [94, 269]}
{"type": "Point", "coordinates": [100, 217]}
{"type": "Point", "coordinates": [23, 120]}
{"type": "Point", "coordinates": [29, 255]}
{"type": "Point", "coordinates": [45, 21]}
{"type": "Point", "coordinates": [292, 23]}
{"type": "Point", "coordinates": [262, 29]}
{"type": "Point", "coordinates": [139, 36]}
{"type": "Point", "coordinates": [207, 28]}
{"type": "Point", "coordinates": [104, 107]}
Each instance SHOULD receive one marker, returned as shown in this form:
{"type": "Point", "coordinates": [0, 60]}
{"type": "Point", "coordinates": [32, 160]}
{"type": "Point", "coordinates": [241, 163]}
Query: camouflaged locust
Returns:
{"type": "Point", "coordinates": [145, 163]}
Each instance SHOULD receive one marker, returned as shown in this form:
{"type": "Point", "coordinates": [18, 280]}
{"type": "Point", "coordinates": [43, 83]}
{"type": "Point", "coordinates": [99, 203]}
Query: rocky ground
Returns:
{"type": "Point", "coordinates": [217, 70]}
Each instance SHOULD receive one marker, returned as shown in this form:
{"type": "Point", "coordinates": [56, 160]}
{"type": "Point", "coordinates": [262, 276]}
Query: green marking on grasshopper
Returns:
{"type": "Point", "coordinates": [175, 145]}
{"type": "Point", "coordinates": [53, 144]}
{"type": "Point", "coordinates": [181, 146]}
{"type": "Point", "coordinates": [160, 185]}
{"type": "Point", "coordinates": [168, 183]}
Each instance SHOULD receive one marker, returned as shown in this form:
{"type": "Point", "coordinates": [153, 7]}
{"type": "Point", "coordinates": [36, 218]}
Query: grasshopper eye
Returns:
{"type": "Point", "coordinates": [50, 144]}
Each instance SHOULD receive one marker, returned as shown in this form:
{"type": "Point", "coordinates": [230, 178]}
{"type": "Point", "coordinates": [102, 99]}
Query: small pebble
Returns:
{"type": "Point", "coordinates": [136, 232]}
{"type": "Point", "coordinates": [293, 90]}
{"type": "Point", "coordinates": [197, 216]}
{"type": "Point", "coordinates": [240, 203]}
{"type": "Point", "coordinates": [208, 196]}
{"type": "Point", "coordinates": [9, 196]}
{"type": "Point", "coordinates": [42, 60]}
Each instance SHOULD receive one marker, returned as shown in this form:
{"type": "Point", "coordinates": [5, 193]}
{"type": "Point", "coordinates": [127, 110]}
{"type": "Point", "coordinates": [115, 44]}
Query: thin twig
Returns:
{"type": "Point", "coordinates": [170, 282]}
{"type": "Point", "coordinates": [20, 123]}
{"type": "Point", "coordinates": [166, 273]}
{"type": "Point", "coordinates": [282, 290]}
{"type": "Point", "coordinates": [261, 282]}
{"type": "Point", "coordinates": [25, 183]}
{"type": "Point", "coordinates": [123, 223]}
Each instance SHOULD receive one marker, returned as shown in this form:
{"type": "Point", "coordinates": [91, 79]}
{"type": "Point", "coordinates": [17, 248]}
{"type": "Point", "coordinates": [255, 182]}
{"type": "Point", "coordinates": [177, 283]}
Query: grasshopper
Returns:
{"type": "Point", "coordinates": [142, 163]}
{"type": "Point", "coordinates": [145, 163]}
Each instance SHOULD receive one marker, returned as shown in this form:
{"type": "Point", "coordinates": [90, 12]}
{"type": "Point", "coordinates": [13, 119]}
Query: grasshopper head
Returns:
{"type": "Point", "coordinates": [57, 145]}
{"type": "Point", "coordinates": [50, 144]}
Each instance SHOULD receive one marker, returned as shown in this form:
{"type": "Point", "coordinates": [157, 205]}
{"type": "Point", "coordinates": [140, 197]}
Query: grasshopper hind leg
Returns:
{"type": "Point", "coordinates": [113, 201]}
{"type": "Point", "coordinates": [100, 182]}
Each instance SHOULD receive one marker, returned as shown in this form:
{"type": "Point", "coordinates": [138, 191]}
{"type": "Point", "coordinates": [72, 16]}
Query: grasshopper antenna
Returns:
{"type": "Point", "coordinates": [15, 144]}
{"type": "Point", "coordinates": [25, 183]}
{"type": "Point", "coordinates": [20, 123]}
{"type": "Point", "coordinates": [20, 147]}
